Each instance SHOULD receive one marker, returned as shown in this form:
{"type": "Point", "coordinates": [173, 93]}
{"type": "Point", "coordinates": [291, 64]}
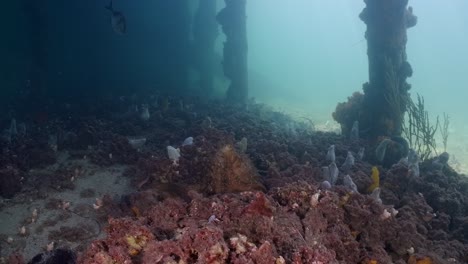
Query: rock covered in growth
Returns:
{"type": "Point", "coordinates": [203, 245]}
{"type": "Point", "coordinates": [212, 165]}
{"type": "Point", "coordinates": [232, 172]}
{"type": "Point", "coordinates": [295, 224]}
{"type": "Point", "coordinates": [346, 113]}
{"type": "Point", "coordinates": [126, 239]}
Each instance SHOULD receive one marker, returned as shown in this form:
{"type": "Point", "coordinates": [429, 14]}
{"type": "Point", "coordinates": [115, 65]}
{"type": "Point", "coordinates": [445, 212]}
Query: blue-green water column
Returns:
{"type": "Point", "coordinates": [233, 21]}
{"type": "Point", "coordinates": [205, 32]}
{"type": "Point", "coordinates": [386, 93]}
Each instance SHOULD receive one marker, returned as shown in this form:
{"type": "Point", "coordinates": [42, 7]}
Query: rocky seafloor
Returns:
{"type": "Point", "coordinates": [248, 189]}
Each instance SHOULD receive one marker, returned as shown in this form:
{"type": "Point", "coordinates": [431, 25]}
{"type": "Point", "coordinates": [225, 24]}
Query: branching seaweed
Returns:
{"type": "Point", "coordinates": [444, 130]}
{"type": "Point", "coordinates": [418, 129]}
{"type": "Point", "coordinates": [393, 95]}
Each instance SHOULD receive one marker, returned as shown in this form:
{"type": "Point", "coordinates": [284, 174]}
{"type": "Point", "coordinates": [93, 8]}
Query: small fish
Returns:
{"type": "Point", "coordinates": [118, 21]}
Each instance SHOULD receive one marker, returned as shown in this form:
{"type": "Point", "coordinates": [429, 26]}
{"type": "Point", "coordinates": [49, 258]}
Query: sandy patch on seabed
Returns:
{"type": "Point", "coordinates": [17, 212]}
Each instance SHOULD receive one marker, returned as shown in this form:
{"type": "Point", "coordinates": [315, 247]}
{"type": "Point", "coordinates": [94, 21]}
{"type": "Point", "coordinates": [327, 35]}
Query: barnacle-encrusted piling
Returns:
{"type": "Point", "coordinates": [386, 93]}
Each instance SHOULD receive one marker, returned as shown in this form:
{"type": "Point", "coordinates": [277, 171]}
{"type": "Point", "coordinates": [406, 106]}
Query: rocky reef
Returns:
{"type": "Point", "coordinates": [246, 188]}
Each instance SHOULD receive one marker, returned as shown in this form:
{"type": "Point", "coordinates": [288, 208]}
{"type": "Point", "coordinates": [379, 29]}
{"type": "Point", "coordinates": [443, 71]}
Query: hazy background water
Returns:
{"type": "Point", "coordinates": [313, 53]}
{"type": "Point", "coordinates": [304, 55]}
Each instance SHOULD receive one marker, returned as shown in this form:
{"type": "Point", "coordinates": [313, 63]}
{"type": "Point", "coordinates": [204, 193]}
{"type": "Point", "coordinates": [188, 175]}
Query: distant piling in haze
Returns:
{"type": "Point", "coordinates": [381, 107]}
{"type": "Point", "coordinates": [233, 21]}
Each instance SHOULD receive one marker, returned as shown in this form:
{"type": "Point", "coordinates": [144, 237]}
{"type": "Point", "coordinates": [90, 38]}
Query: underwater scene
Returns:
{"type": "Point", "coordinates": [234, 131]}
